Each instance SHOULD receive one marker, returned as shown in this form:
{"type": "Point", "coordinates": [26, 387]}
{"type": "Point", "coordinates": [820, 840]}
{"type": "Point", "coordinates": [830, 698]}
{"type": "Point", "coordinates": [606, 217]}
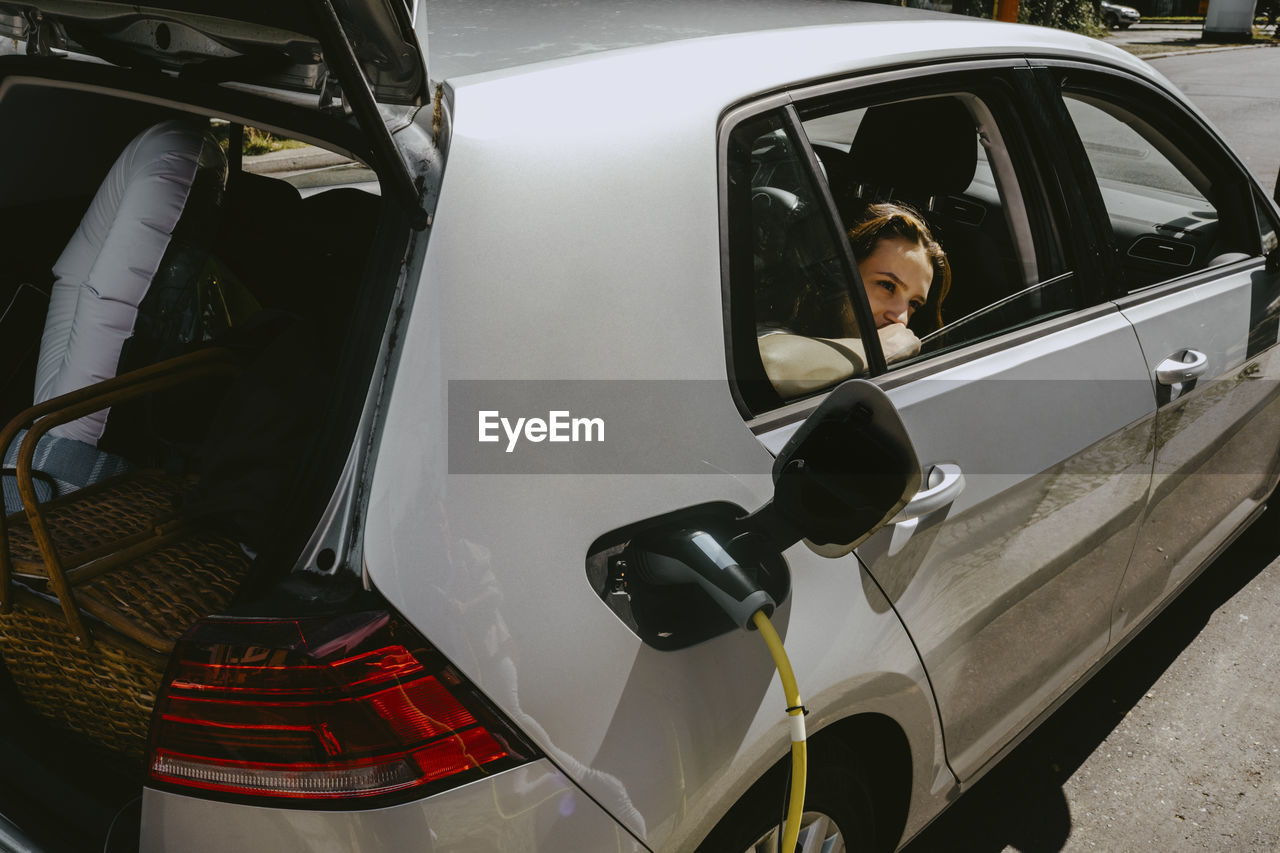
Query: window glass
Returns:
{"type": "Point", "coordinates": [935, 211]}
{"type": "Point", "coordinates": [308, 168]}
{"type": "Point", "coordinates": [1164, 197]}
{"type": "Point", "coordinates": [1121, 157]}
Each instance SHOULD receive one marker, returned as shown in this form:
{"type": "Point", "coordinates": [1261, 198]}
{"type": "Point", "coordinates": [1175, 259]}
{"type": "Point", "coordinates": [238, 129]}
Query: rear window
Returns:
{"type": "Point", "coordinates": [308, 168]}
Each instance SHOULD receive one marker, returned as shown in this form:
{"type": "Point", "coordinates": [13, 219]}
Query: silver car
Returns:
{"type": "Point", "coordinates": [456, 441]}
{"type": "Point", "coordinates": [1117, 15]}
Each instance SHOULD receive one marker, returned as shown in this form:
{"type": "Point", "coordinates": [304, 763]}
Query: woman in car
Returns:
{"type": "Point", "coordinates": [903, 269]}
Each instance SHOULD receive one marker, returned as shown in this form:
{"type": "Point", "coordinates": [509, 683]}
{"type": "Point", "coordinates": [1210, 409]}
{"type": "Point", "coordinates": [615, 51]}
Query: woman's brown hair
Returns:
{"type": "Point", "coordinates": [890, 219]}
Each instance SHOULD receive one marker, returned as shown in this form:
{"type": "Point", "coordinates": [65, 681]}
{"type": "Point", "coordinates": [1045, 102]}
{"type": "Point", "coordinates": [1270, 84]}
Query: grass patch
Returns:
{"type": "Point", "coordinates": [255, 141]}
{"type": "Point", "coordinates": [260, 142]}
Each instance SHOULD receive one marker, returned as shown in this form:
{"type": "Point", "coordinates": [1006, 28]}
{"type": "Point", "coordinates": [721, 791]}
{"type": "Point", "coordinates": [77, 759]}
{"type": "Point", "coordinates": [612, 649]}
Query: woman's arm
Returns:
{"type": "Point", "coordinates": [797, 365]}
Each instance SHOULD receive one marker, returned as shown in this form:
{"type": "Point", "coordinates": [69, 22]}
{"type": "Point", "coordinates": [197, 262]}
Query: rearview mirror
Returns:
{"type": "Point", "coordinates": [848, 469]}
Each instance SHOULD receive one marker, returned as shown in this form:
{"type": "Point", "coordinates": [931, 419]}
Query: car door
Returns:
{"type": "Point", "coordinates": [1029, 407]}
{"type": "Point", "coordinates": [1189, 232]}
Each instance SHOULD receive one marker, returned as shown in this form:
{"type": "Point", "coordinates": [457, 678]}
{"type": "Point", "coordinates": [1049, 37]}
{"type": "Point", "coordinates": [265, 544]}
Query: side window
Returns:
{"type": "Point", "coordinates": [939, 209]}
{"type": "Point", "coordinates": [1175, 203]}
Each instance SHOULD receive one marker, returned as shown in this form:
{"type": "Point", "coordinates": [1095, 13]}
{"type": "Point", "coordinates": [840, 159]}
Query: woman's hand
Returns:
{"type": "Point", "coordinates": [898, 342]}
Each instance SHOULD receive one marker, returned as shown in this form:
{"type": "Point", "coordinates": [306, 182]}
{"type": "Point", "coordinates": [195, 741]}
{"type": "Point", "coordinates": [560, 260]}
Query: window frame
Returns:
{"type": "Point", "coordinates": [1021, 110]}
{"type": "Point", "coordinates": [857, 292]}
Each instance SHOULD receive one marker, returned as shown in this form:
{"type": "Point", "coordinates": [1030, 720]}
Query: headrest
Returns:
{"type": "Point", "coordinates": [919, 148]}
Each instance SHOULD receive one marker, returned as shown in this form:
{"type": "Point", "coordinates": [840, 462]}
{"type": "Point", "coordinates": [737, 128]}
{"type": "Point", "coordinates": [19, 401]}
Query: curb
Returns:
{"type": "Point", "coordinates": [1202, 50]}
{"type": "Point", "coordinates": [293, 160]}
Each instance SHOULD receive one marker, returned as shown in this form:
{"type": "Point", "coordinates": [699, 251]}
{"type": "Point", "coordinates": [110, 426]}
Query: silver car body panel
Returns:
{"type": "Point", "coordinates": [1030, 553]}
{"type": "Point", "coordinates": [468, 38]}
{"type": "Point", "coordinates": [492, 567]}
{"type": "Point", "coordinates": [509, 813]}
{"type": "Point", "coordinates": [577, 237]}
{"type": "Point", "coordinates": [1217, 458]}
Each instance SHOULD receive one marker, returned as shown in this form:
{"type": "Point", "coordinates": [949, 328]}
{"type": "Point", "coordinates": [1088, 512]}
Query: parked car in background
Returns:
{"type": "Point", "coordinates": [1115, 16]}
{"type": "Point", "coordinates": [372, 573]}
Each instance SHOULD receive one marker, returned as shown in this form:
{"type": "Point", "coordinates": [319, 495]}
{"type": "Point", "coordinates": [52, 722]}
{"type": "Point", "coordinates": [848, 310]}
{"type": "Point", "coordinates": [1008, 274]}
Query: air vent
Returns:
{"type": "Point", "coordinates": [966, 212]}
{"type": "Point", "coordinates": [1163, 251]}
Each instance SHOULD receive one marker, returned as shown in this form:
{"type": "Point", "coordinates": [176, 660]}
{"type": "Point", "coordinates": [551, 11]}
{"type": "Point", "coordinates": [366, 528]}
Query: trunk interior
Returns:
{"type": "Point", "coordinates": [224, 463]}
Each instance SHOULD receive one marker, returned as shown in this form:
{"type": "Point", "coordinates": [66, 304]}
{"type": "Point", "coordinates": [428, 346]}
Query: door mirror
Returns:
{"type": "Point", "coordinates": [847, 471]}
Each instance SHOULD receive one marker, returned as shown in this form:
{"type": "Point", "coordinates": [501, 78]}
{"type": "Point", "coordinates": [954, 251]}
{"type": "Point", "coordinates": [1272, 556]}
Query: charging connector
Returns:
{"type": "Point", "coordinates": [695, 556]}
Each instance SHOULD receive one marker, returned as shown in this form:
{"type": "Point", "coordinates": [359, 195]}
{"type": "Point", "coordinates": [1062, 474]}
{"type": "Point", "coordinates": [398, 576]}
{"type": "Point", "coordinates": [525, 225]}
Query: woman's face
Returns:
{"type": "Point", "coordinates": [897, 275]}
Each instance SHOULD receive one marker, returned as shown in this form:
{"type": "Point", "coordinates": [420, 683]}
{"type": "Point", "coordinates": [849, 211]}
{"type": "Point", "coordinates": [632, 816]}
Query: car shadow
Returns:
{"type": "Point", "coordinates": [1021, 803]}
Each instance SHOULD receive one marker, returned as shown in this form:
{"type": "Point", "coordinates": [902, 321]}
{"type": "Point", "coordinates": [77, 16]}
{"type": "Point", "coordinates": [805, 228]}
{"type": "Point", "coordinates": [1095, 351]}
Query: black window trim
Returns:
{"type": "Point", "coordinates": [1083, 244]}
{"type": "Point", "coordinates": [727, 124]}
{"type": "Point", "coordinates": [1190, 280]}
{"type": "Point", "coordinates": [853, 278]}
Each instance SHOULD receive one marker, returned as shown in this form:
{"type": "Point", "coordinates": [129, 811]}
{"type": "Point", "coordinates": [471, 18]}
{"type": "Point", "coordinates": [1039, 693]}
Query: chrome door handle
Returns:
{"type": "Point", "coordinates": [1183, 367]}
{"type": "Point", "coordinates": [943, 485]}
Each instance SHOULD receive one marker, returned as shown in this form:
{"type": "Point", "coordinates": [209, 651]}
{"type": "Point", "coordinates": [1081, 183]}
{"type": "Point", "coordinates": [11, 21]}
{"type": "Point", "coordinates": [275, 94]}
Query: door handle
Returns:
{"type": "Point", "coordinates": [943, 485]}
{"type": "Point", "coordinates": [1183, 367]}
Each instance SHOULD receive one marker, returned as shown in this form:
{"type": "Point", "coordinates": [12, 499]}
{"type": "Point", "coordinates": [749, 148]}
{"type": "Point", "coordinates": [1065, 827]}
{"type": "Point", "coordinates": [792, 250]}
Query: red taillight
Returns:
{"type": "Point", "coordinates": [335, 708]}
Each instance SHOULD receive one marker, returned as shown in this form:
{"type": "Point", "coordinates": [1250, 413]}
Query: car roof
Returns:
{"type": "Point", "coordinates": [466, 38]}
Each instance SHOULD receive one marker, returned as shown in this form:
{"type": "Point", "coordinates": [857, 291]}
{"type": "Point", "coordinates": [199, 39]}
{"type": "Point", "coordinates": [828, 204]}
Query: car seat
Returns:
{"type": "Point", "coordinates": [150, 215]}
{"type": "Point", "coordinates": [148, 227]}
{"type": "Point", "coordinates": [923, 153]}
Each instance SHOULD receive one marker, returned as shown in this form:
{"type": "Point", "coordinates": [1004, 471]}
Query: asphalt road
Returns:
{"type": "Point", "coordinates": [1175, 745]}
{"type": "Point", "coordinates": [1239, 91]}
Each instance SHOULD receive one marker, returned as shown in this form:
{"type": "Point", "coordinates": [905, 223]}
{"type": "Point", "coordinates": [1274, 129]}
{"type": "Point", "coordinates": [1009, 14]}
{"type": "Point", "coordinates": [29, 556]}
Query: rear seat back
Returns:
{"type": "Point", "coordinates": [147, 224]}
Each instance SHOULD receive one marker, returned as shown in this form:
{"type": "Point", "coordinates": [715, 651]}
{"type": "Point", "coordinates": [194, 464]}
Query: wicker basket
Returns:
{"type": "Point", "coordinates": [95, 519]}
{"type": "Point", "coordinates": [106, 693]}
{"type": "Point", "coordinates": [98, 585]}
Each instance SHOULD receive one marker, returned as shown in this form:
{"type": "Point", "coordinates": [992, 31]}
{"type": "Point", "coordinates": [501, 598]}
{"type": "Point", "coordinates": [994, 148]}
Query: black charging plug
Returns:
{"type": "Point", "coordinates": [695, 556]}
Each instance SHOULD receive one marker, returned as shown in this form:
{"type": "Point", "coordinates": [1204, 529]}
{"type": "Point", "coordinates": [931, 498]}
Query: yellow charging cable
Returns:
{"type": "Point", "coordinates": [799, 757]}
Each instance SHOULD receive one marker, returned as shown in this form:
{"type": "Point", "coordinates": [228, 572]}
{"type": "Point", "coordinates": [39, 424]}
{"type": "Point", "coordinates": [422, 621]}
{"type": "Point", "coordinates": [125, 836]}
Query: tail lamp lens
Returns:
{"type": "Point", "coordinates": [358, 706]}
